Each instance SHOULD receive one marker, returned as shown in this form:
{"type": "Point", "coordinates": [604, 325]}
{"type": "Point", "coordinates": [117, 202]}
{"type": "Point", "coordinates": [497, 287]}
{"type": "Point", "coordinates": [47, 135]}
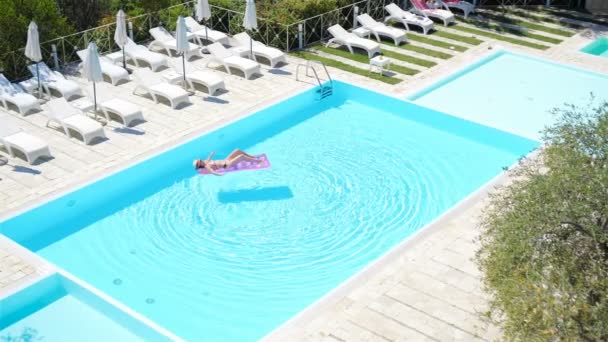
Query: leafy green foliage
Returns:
{"type": "Point", "coordinates": [16, 16]}
{"type": "Point", "coordinates": [83, 15]}
{"type": "Point", "coordinates": [545, 236]}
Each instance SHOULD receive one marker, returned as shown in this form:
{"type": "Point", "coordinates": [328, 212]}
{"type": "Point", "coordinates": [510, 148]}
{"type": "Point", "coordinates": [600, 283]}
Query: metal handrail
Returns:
{"type": "Point", "coordinates": [308, 65]}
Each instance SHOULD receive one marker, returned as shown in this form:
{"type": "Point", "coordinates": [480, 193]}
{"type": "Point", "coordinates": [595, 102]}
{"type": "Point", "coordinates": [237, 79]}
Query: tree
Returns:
{"type": "Point", "coordinates": [544, 242]}
{"type": "Point", "coordinates": [15, 18]}
{"type": "Point", "coordinates": [83, 14]}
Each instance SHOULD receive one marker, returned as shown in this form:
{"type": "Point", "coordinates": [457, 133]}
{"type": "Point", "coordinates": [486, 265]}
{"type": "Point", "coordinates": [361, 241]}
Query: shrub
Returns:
{"type": "Point", "coordinates": [544, 250]}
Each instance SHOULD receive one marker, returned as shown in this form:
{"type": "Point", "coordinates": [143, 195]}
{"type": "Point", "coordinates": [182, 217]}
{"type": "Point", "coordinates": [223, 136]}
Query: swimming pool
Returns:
{"type": "Point", "coordinates": [230, 258]}
{"type": "Point", "coordinates": [598, 47]}
{"type": "Point", "coordinates": [57, 309]}
{"type": "Point", "coordinates": [513, 92]}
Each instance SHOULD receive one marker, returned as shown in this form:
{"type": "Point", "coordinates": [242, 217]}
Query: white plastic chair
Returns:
{"type": "Point", "coordinates": [274, 56]}
{"type": "Point", "coordinates": [154, 85]}
{"type": "Point", "coordinates": [380, 29]}
{"type": "Point", "coordinates": [13, 138]}
{"type": "Point", "coordinates": [71, 118]}
{"type": "Point", "coordinates": [221, 55]}
{"type": "Point", "coordinates": [350, 40]}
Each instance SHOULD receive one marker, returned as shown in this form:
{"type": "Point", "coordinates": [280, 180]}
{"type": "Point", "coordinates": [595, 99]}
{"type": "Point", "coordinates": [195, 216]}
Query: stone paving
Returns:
{"type": "Point", "coordinates": [428, 289]}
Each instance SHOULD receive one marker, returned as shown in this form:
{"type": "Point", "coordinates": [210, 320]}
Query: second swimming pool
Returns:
{"type": "Point", "coordinates": [230, 258]}
{"type": "Point", "coordinates": [513, 92]}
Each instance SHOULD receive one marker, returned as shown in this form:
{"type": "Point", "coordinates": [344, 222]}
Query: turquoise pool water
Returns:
{"type": "Point", "coordinates": [513, 92]}
{"type": "Point", "coordinates": [231, 258]}
{"type": "Point", "coordinates": [56, 309]}
{"type": "Point", "coordinates": [598, 47]}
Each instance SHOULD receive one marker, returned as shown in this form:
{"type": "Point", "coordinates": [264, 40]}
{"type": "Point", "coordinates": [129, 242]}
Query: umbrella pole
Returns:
{"type": "Point", "coordinates": [184, 68]}
{"type": "Point", "coordinates": [38, 75]}
{"type": "Point", "coordinates": [124, 60]}
{"type": "Point", "coordinates": [250, 47]}
{"type": "Point", "coordinates": [95, 99]}
{"type": "Point", "coordinates": [206, 33]}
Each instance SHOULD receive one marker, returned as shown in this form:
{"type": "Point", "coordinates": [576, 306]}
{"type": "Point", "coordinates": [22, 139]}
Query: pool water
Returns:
{"type": "Point", "coordinates": [512, 92]}
{"type": "Point", "coordinates": [55, 309]}
{"type": "Point", "coordinates": [231, 258]}
{"type": "Point", "coordinates": [598, 47]}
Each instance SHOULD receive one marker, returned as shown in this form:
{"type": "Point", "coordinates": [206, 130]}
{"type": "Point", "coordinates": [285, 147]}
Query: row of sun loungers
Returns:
{"type": "Point", "coordinates": [419, 15]}
{"type": "Point", "coordinates": [72, 121]}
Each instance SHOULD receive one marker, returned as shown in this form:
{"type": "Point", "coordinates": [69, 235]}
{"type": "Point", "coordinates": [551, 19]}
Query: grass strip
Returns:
{"type": "Point", "coordinates": [574, 16]}
{"type": "Point", "coordinates": [424, 51]}
{"type": "Point", "coordinates": [347, 67]}
{"type": "Point", "coordinates": [434, 42]}
{"type": "Point", "coordinates": [500, 37]}
{"type": "Point", "coordinates": [459, 38]}
{"type": "Point", "coordinates": [528, 15]}
{"type": "Point", "coordinates": [502, 29]}
{"type": "Point", "coordinates": [528, 25]}
{"type": "Point", "coordinates": [409, 59]}
{"type": "Point", "coordinates": [363, 59]}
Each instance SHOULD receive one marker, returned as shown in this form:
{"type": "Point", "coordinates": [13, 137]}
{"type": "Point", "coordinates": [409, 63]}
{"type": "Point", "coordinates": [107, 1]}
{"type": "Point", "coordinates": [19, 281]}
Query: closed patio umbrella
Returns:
{"type": "Point", "coordinates": [32, 49]}
{"type": "Point", "coordinates": [181, 37]}
{"type": "Point", "coordinates": [203, 12]}
{"type": "Point", "coordinates": [91, 70]}
{"type": "Point", "coordinates": [120, 35]}
{"type": "Point", "coordinates": [250, 22]}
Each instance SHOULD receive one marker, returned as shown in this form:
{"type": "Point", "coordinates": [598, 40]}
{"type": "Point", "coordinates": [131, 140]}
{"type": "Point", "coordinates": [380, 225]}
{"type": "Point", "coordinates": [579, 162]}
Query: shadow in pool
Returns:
{"type": "Point", "coordinates": [275, 193]}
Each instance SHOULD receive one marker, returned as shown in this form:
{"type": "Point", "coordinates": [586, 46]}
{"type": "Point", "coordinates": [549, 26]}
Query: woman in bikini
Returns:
{"type": "Point", "coordinates": [233, 158]}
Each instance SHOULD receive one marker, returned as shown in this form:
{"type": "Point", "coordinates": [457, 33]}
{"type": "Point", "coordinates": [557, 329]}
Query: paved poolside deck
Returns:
{"type": "Point", "coordinates": [427, 291]}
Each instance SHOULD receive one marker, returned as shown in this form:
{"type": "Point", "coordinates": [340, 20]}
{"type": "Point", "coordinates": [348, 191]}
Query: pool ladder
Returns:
{"type": "Point", "coordinates": [325, 89]}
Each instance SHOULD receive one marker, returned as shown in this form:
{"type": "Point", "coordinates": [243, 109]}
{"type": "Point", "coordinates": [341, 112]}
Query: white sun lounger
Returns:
{"type": "Point", "coordinates": [207, 78]}
{"type": "Point", "coordinates": [15, 95]}
{"type": "Point", "coordinates": [53, 80]}
{"type": "Point", "coordinates": [221, 55]}
{"type": "Point", "coordinates": [350, 40]}
{"type": "Point", "coordinates": [164, 40]}
{"type": "Point", "coordinates": [112, 71]}
{"type": "Point", "coordinates": [154, 85]}
{"type": "Point", "coordinates": [112, 106]}
{"type": "Point", "coordinates": [197, 31]}
{"type": "Point", "coordinates": [71, 118]}
{"type": "Point", "coordinates": [13, 138]}
{"type": "Point", "coordinates": [379, 29]}
{"type": "Point", "coordinates": [407, 18]}
{"type": "Point", "coordinates": [444, 15]}
{"type": "Point", "coordinates": [466, 7]}
{"type": "Point", "coordinates": [274, 56]}
{"type": "Point", "coordinates": [140, 53]}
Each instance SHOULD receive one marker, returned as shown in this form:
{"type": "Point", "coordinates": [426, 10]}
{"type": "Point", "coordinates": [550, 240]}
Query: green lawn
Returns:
{"type": "Point", "coordinates": [529, 25]}
{"type": "Point", "coordinates": [426, 40]}
{"type": "Point", "coordinates": [409, 59]}
{"type": "Point", "coordinates": [529, 15]}
{"type": "Point", "coordinates": [457, 37]}
{"type": "Point", "coordinates": [499, 28]}
{"type": "Point", "coordinates": [572, 15]}
{"type": "Point", "coordinates": [347, 67]}
{"type": "Point", "coordinates": [363, 58]}
{"type": "Point", "coordinates": [425, 51]}
{"type": "Point", "coordinates": [500, 37]}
